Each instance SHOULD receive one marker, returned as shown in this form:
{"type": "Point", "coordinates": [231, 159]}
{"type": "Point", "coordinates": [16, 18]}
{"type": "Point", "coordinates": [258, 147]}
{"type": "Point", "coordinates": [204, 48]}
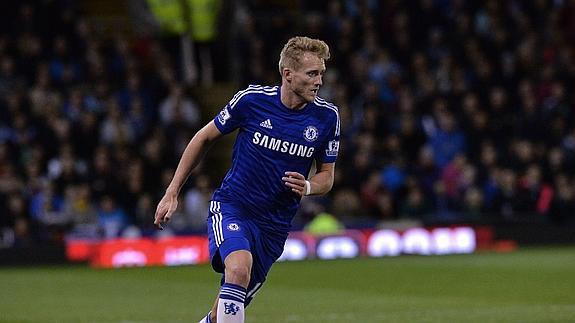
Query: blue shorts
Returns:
{"type": "Point", "coordinates": [229, 230]}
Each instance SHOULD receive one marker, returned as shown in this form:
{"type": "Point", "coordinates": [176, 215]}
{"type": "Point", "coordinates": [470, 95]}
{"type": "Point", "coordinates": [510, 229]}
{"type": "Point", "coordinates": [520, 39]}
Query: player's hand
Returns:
{"type": "Point", "coordinates": [166, 208]}
{"type": "Point", "coordinates": [296, 182]}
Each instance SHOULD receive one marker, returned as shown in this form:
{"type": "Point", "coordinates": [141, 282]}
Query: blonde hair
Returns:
{"type": "Point", "coordinates": [295, 47]}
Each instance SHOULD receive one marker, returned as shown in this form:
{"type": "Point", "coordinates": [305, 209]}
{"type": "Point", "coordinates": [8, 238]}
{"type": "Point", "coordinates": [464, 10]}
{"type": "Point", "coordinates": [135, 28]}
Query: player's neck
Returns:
{"type": "Point", "coordinates": [290, 99]}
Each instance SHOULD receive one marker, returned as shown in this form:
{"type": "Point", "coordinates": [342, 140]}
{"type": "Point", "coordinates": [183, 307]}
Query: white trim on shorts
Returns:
{"type": "Point", "coordinates": [217, 222]}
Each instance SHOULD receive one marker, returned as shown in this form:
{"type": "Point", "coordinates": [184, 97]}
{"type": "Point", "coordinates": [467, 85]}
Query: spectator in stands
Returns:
{"type": "Point", "coordinates": [473, 205]}
{"type": "Point", "coordinates": [446, 140]}
{"type": "Point", "coordinates": [179, 109]}
{"type": "Point", "coordinates": [415, 205]}
{"type": "Point", "coordinates": [111, 218]}
{"type": "Point", "coordinates": [562, 208]}
{"type": "Point", "coordinates": [324, 223]}
{"type": "Point", "coordinates": [83, 214]}
{"type": "Point", "coordinates": [47, 208]}
{"type": "Point", "coordinates": [115, 129]}
{"type": "Point", "coordinates": [197, 201]}
{"type": "Point", "coordinates": [17, 222]}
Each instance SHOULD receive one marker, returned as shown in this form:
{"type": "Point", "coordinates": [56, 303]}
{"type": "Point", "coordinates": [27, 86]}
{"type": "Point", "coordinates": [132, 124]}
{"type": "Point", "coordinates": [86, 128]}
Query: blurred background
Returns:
{"type": "Point", "coordinates": [453, 112]}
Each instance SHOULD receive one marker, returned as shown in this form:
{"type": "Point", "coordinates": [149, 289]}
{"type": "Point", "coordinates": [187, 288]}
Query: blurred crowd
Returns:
{"type": "Point", "coordinates": [452, 111]}
{"type": "Point", "coordinates": [91, 129]}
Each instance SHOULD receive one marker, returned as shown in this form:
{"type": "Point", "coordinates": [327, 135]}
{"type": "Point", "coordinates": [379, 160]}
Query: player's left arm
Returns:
{"type": "Point", "coordinates": [320, 183]}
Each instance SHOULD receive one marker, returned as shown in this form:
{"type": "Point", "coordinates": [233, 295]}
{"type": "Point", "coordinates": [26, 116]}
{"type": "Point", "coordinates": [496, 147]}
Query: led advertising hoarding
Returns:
{"type": "Point", "coordinates": [191, 250]}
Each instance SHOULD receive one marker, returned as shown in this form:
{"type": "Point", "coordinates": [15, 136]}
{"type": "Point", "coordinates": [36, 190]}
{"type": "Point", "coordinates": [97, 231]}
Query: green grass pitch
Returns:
{"type": "Point", "coordinates": [531, 285]}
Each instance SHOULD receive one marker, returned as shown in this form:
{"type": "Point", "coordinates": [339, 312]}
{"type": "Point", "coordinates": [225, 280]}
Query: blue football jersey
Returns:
{"type": "Point", "coordinates": [273, 139]}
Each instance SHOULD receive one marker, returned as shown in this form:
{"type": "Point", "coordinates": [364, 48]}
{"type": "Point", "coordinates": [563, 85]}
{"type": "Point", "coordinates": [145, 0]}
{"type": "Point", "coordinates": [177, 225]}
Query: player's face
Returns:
{"type": "Point", "coordinates": [308, 77]}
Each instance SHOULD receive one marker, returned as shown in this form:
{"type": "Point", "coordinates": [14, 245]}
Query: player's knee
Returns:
{"type": "Point", "coordinates": [238, 274]}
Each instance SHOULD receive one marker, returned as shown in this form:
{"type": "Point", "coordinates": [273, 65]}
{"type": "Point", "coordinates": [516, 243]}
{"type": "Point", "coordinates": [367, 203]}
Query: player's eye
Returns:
{"type": "Point", "coordinates": [313, 73]}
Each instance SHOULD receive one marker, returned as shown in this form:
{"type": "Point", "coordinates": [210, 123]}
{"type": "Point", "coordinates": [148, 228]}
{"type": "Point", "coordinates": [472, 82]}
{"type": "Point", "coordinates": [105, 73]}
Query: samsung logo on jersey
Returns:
{"type": "Point", "coordinates": [282, 145]}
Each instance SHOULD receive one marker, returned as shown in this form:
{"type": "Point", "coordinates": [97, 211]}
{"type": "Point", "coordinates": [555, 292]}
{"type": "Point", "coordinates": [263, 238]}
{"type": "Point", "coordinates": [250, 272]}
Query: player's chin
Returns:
{"type": "Point", "coordinates": [311, 97]}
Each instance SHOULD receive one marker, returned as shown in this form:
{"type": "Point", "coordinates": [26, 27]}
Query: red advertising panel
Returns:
{"type": "Point", "coordinates": [81, 250]}
{"type": "Point", "coordinates": [126, 253]}
{"type": "Point", "coordinates": [183, 251]}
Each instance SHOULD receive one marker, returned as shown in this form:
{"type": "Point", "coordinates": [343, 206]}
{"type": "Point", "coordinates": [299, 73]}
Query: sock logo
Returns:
{"type": "Point", "coordinates": [231, 308]}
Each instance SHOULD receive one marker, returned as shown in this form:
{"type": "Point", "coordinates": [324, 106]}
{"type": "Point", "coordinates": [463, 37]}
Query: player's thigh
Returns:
{"type": "Point", "coordinates": [227, 233]}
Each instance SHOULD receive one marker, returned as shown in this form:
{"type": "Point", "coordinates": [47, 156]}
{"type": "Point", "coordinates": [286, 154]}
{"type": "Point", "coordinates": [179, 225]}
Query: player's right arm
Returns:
{"type": "Point", "coordinates": [191, 157]}
{"type": "Point", "coordinates": [231, 117]}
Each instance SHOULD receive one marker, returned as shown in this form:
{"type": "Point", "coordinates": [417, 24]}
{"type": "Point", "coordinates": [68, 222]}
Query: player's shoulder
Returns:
{"type": "Point", "coordinates": [253, 92]}
{"type": "Point", "coordinates": [328, 106]}
{"type": "Point", "coordinates": [259, 90]}
{"type": "Point", "coordinates": [330, 109]}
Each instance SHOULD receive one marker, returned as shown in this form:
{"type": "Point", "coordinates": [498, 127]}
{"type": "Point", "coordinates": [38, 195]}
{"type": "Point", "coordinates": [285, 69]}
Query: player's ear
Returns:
{"type": "Point", "coordinates": [287, 74]}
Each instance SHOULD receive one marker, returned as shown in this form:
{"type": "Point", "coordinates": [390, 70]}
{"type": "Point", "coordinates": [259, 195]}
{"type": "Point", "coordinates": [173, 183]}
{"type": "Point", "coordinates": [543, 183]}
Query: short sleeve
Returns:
{"type": "Point", "coordinates": [331, 147]}
{"type": "Point", "coordinates": [233, 115]}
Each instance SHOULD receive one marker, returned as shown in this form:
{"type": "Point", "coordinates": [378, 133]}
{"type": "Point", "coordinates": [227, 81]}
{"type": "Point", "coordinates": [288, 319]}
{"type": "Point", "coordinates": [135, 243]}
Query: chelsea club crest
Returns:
{"type": "Point", "coordinates": [310, 133]}
{"type": "Point", "coordinates": [233, 227]}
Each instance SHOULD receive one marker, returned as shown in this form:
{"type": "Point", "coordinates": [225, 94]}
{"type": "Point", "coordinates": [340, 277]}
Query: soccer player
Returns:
{"type": "Point", "coordinates": [282, 131]}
